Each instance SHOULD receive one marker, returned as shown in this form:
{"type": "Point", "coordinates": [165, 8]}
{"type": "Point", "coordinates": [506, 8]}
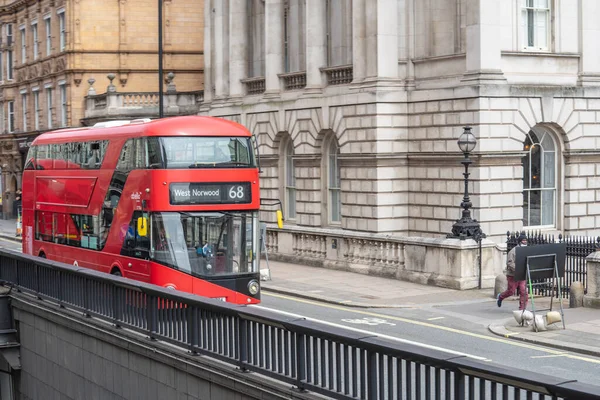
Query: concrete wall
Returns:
{"type": "Point", "coordinates": [67, 356]}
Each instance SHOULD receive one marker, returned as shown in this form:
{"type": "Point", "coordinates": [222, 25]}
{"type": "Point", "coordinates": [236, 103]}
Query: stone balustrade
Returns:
{"type": "Point", "coordinates": [441, 262]}
{"type": "Point", "coordinates": [129, 105]}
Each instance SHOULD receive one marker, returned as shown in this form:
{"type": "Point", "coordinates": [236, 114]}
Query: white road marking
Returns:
{"type": "Point", "coordinates": [434, 318]}
{"type": "Point", "coordinates": [551, 355]}
{"type": "Point", "coordinates": [427, 346]}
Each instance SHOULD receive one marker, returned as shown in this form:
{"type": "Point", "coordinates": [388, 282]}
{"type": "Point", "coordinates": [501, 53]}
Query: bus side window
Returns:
{"type": "Point", "coordinates": [154, 153]}
{"type": "Point", "coordinates": [135, 245]}
{"type": "Point", "coordinates": [44, 160]}
{"type": "Point", "coordinates": [60, 155]}
{"type": "Point", "coordinates": [127, 157]}
{"type": "Point", "coordinates": [30, 163]}
{"type": "Point", "coordinates": [89, 231]}
{"type": "Point", "coordinates": [75, 155]}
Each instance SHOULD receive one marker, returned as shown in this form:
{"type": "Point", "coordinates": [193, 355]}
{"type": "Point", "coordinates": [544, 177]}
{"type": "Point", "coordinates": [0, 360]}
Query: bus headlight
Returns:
{"type": "Point", "coordinates": [253, 287]}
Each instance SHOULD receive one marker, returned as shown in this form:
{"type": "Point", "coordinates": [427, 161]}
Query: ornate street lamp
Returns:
{"type": "Point", "coordinates": [466, 227]}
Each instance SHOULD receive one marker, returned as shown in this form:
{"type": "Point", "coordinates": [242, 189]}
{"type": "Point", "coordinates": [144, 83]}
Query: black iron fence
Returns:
{"type": "Point", "coordinates": [335, 362]}
{"type": "Point", "coordinates": [577, 249]}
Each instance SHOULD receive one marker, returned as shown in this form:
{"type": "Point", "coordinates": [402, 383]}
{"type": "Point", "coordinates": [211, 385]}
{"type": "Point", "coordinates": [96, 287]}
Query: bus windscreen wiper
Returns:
{"type": "Point", "coordinates": [234, 163]}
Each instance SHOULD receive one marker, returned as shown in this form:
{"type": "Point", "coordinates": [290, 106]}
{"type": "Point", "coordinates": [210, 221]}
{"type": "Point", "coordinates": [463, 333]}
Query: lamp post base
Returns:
{"type": "Point", "coordinates": [466, 228]}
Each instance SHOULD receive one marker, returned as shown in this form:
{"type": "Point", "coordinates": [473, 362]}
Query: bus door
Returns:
{"type": "Point", "coordinates": [136, 248]}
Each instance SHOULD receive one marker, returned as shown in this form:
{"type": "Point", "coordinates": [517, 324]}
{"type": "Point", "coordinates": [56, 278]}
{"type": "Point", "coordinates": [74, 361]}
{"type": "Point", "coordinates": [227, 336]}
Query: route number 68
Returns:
{"type": "Point", "coordinates": [236, 192]}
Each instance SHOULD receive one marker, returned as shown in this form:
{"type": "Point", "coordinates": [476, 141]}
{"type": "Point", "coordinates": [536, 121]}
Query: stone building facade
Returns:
{"type": "Point", "coordinates": [357, 106]}
{"type": "Point", "coordinates": [50, 49]}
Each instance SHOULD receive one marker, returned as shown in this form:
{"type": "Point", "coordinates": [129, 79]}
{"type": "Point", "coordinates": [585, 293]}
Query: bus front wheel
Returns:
{"type": "Point", "coordinates": [42, 255]}
{"type": "Point", "coordinates": [116, 272]}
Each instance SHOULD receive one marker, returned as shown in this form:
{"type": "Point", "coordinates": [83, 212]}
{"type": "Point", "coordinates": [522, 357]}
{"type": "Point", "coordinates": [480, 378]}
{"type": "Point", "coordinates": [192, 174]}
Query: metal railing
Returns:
{"type": "Point", "coordinates": [577, 249]}
{"type": "Point", "coordinates": [339, 363]}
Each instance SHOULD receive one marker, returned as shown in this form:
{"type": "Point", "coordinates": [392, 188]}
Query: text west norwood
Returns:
{"type": "Point", "coordinates": [196, 193]}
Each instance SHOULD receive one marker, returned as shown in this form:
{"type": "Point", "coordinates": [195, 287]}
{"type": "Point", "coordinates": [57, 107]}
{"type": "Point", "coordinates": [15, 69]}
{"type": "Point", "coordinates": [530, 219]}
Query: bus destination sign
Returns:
{"type": "Point", "coordinates": [209, 193]}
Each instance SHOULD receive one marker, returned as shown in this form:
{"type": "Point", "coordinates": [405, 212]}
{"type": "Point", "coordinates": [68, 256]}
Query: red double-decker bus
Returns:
{"type": "Point", "coordinates": [173, 202]}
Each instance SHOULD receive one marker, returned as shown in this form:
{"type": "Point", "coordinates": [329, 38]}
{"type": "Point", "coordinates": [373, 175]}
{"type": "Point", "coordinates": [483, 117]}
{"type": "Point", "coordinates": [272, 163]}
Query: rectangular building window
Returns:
{"type": "Point", "coordinates": [535, 24]}
{"type": "Point", "coordinates": [9, 64]}
{"type": "Point", "coordinates": [23, 46]}
{"type": "Point", "coordinates": [11, 116]}
{"type": "Point", "coordinates": [9, 34]}
{"type": "Point", "coordinates": [34, 34]}
{"type": "Point", "coordinates": [24, 107]}
{"type": "Point", "coordinates": [48, 36]}
{"type": "Point", "coordinates": [63, 33]}
{"type": "Point", "coordinates": [1, 66]}
{"type": "Point", "coordinates": [63, 105]}
{"type": "Point", "coordinates": [49, 106]}
{"type": "Point", "coordinates": [2, 123]}
{"type": "Point", "coordinates": [36, 110]}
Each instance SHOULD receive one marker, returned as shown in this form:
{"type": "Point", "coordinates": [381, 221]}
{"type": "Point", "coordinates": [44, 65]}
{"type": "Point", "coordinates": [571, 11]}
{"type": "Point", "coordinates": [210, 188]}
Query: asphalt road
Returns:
{"type": "Point", "coordinates": [10, 244]}
{"type": "Point", "coordinates": [446, 330]}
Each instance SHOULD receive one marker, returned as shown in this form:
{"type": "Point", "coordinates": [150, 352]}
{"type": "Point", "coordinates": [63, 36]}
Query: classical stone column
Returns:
{"type": "Point", "coordinates": [359, 37]}
{"type": "Point", "coordinates": [316, 42]}
{"type": "Point", "coordinates": [208, 61]}
{"type": "Point", "coordinates": [483, 46]}
{"type": "Point", "coordinates": [238, 46]}
{"type": "Point", "coordinates": [592, 298]}
{"type": "Point", "coordinates": [221, 30]}
{"type": "Point", "coordinates": [382, 39]}
{"type": "Point", "coordinates": [589, 64]}
{"type": "Point", "coordinates": [273, 44]}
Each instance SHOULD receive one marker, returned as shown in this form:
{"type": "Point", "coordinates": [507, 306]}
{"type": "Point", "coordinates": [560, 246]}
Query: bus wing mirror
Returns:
{"type": "Point", "coordinates": [142, 226]}
{"type": "Point", "coordinates": [279, 219]}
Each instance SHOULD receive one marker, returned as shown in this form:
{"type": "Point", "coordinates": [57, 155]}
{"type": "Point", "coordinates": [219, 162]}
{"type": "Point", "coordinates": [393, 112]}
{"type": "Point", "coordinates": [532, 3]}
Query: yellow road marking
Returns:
{"type": "Point", "coordinates": [440, 327]}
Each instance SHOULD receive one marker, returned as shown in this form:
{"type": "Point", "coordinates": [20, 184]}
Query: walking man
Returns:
{"type": "Point", "coordinates": [510, 277]}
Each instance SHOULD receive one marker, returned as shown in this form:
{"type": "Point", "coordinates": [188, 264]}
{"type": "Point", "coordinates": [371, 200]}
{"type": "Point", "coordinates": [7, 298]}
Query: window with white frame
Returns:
{"type": "Point", "coordinates": [34, 34]}
{"type": "Point", "coordinates": [48, 23]}
{"type": "Point", "coordinates": [24, 108]}
{"type": "Point", "coordinates": [290, 181]}
{"type": "Point", "coordinates": [23, 45]}
{"type": "Point", "coordinates": [334, 183]}
{"type": "Point", "coordinates": [9, 64]}
{"type": "Point", "coordinates": [539, 179]}
{"type": "Point", "coordinates": [1, 66]}
{"type": "Point", "coordinates": [36, 110]}
{"type": "Point", "coordinates": [11, 116]}
{"type": "Point", "coordinates": [63, 104]}
{"type": "Point", "coordinates": [535, 24]}
{"type": "Point", "coordinates": [49, 107]}
{"type": "Point", "coordinates": [9, 34]}
{"type": "Point", "coordinates": [63, 33]}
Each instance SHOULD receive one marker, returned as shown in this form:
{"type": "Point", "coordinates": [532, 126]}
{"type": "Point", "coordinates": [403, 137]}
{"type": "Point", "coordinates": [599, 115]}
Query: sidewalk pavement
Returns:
{"type": "Point", "coordinates": [8, 229]}
{"type": "Point", "coordinates": [582, 333]}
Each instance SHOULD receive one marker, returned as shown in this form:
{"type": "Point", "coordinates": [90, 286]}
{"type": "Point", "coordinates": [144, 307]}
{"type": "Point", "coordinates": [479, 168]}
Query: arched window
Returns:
{"type": "Point", "coordinates": [539, 179]}
{"type": "Point", "coordinates": [333, 183]}
{"type": "Point", "coordinates": [290, 181]}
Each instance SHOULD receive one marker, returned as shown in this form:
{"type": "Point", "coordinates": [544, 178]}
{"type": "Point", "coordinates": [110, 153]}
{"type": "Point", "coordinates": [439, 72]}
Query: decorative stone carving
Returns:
{"type": "Point", "coordinates": [91, 90]}
{"type": "Point", "coordinates": [60, 65]}
{"type": "Point", "coordinates": [123, 77]}
{"type": "Point", "coordinates": [33, 72]}
{"type": "Point", "coordinates": [46, 68]}
{"type": "Point", "coordinates": [77, 78]}
{"type": "Point", "coordinates": [111, 88]}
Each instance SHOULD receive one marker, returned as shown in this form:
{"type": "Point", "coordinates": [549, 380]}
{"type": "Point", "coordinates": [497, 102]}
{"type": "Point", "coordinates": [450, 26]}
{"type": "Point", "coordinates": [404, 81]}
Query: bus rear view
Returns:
{"type": "Point", "coordinates": [173, 202]}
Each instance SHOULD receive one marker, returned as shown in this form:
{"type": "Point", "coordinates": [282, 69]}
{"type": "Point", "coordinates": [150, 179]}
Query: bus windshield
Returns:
{"type": "Point", "coordinates": [205, 243]}
{"type": "Point", "coordinates": [205, 152]}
